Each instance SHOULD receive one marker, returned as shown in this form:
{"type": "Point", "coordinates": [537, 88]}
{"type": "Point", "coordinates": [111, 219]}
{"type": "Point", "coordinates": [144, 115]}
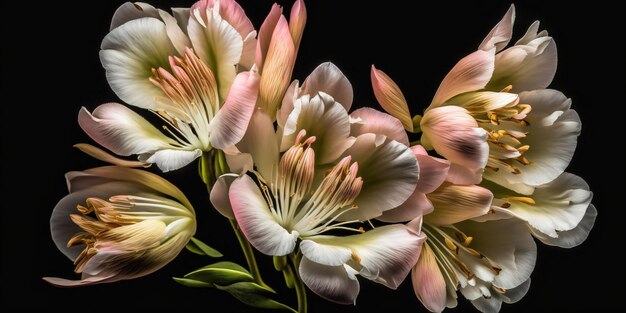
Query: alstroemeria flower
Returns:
{"type": "Point", "coordinates": [275, 214]}
{"type": "Point", "coordinates": [526, 138]}
{"type": "Point", "coordinates": [489, 262]}
{"type": "Point", "coordinates": [184, 69]}
{"type": "Point", "coordinates": [119, 223]}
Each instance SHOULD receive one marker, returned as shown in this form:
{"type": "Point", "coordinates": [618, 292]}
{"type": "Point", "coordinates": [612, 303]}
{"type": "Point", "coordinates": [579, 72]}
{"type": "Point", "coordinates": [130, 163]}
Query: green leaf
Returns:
{"type": "Point", "coordinates": [192, 283]}
{"type": "Point", "coordinates": [252, 294]}
{"type": "Point", "coordinates": [221, 273]}
{"type": "Point", "coordinates": [198, 247]}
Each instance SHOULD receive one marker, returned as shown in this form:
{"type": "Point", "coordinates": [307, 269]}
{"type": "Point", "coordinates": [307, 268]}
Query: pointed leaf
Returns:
{"type": "Point", "coordinates": [192, 283]}
{"type": "Point", "coordinates": [221, 273]}
{"type": "Point", "coordinates": [252, 294]}
{"type": "Point", "coordinates": [198, 247]}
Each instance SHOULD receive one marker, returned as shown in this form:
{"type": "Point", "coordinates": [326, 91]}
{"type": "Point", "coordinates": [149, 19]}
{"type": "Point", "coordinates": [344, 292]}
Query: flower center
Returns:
{"type": "Point", "coordinates": [192, 98]}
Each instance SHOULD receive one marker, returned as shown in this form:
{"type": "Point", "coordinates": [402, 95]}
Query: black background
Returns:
{"type": "Point", "coordinates": [50, 68]}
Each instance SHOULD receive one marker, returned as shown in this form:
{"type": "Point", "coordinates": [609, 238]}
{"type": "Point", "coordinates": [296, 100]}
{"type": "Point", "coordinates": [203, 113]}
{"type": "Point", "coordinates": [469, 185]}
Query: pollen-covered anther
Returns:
{"type": "Point", "coordinates": [526, 200]}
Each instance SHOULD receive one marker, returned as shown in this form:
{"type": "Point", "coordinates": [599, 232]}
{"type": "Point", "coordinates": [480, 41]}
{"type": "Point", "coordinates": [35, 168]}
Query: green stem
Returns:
{"type": "Point", "coordinates": [299, 285]}
{"type": "Point", "coordinates": [248, 252]}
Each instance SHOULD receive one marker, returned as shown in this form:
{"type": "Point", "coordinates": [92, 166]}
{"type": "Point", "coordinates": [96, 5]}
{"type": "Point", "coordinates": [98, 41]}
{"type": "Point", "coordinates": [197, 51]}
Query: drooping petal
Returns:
{"type": "Point", "coordinates": [219, 195]}
{"type": "Point", "coordinates": [428, 282]}
{"type": "Point", "coordinates": [121, 130]}
{"type": "Point", "coordinates": [508, 245]}
{"type": "Point", "coordinates": [456, 203]}
{"type": "Point", "coordinates": [385, 254]}
{"type": "Point", "coordinates": [433, 171]}
{"type": "Point", "coordinates": [501, 34]}
{"type": "Point", "coordinates": [471, 73]}
{"type": "Point", "coordinates": [104, 156]}
{"type": "Point", "coordinates": [389, 171]}
{"type": "Point", "coordinates": [256, 221]}
{"type": "Point", "coordinates": [332, 283]}
{"type": "Point", "coordinates": [455, 135]}
{"type": "Point", "coordinates": [329, 79]}
{"type": "Point", "coordinates": [170, 159]}
{"type": "Point", "coordinates": [558, 206]}
{"type": "Point", "coordinates": [277, 67]}
{"type": "Point", "coordinates": [321, 116]}
{"type": "Point", "coordinates": [391, 98]}
{"type": "Point", "coordinates": [62, 282]}
{"type": "Point", "coordinates": [216, 42]}
{"type": "Point", "coordinates": [229, 125]}
{"type": "Point", "coordinates": [573, 237]}
{"type": "Point", "coordinates": [376, 122]}
{"type": "Point", "coordinates": [129, 53]}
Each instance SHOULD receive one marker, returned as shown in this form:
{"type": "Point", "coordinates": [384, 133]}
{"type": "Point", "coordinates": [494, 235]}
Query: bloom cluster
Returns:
{"type": "Point", "coordinates": [333, 194]}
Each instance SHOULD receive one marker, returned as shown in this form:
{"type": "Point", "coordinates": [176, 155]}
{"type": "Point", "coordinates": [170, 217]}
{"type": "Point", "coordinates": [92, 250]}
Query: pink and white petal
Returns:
{"type": "Point", "coordinates": [240, 163]}
{"type": "Point", "coordinates": [428, 282]}
{"type": "Point", "coordinates": [433, 172]}
{"type": "Point", "coordinates": [230, 11]}
{"type": "Point", "coordinates": [178, 38]}
{"type": "Point", "coordinates": [261, 142]}
{"type": "Point", "coordinates": [573, 237]}
{"type": "Point", "coordinates": [416, 206]}
{"type": "Point", "coordinates": [455, 135]}
{"type": "Point", "coordinates": [332, 283]}
{"type": "Point", "coordinates": [265, 34]}
{"type": "Point", "coordinates": [286, 108]}
{"type": "Point", "coordinates": [507, 244]}
{"type": "Point", "coordinates": [501, 34]}
{"type": "Point", "coordinates": [170, 159]}
{"type": "Point", "coordinates": [391, 98]}
{"type": "Point", "coordinates": [277, 67]}
{"type": "Point", "coordinates": [121, 130]}
{"type": "Point", "coordinates": [559, 205]}
{"type": "Point", "coordinates": [321, 250]}
{"type": "Point", "coordinates": [217, 43]}
{"type": "Point", "coordinates": [256, 221]}
{"type": "Point", "coordinates": [129, 53]}
{"type": "Point", "coordinates": [376, 122]}
{"type": "Point", "coordinates": [329, 79]}
{"type": "Point", "coordinates": [456, 203]}
{"type": "Point", "coordinates": [248, 52]}
{"type": "Point", "coordinates": [389, 171]}
{"type": "Point", "coordinates": [131, 11]}
{"type": "Point", "coordinates": [321, 116]}
{"type": "Point", "coordinates": [384, 254]}
{"type": "Point", "coordinates": [230, 124]}
{"type": "Point", "coordinates": [481, 102]}
{"type": "Point", "coordinates": [471, 73]}
{"type": "Point", "coordinates": [297, 21]}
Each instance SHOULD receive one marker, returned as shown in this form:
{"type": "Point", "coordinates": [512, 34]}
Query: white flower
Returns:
{"type": "Point", "coordinates": [119, 223]}
{"type": "Point", "coordinates": [184, 69]}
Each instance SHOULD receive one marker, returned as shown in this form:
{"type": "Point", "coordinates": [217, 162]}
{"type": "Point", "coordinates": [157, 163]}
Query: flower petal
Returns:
{"type": "Point", "coordinates": [261, 143]}
{"type": "Point", "coordinates": [433, 171]}
{"type": "Point", "coordinates": [321, 116]}
{"type": "Point", "coordinates": [256, 220]}
{"type": "Point", "coordinates": [456, 203]}
{"type": "Point", "coordinates": [391, 98]}
{"type": "Point", "coordinates": [131, 11]}
{"type": "Point", "coordinates": [384, 254]}
{"type": "Point", "coordinates": [559, 205]}
{"type": "Point", "coordinates": [297, 21]}
{"type": "Point", "coordinates": [471, 73]}
{"type": "Point", "coordinates": [501, 34]}
{"type": "Point", "coordinates": [62, 282]}
{"type": "Point", "coordinates": [121, 130]}
{"type": "Point", "coordinates": [219, 195]}
{"type": "Point", "coordinates": [129, 53]}
{"type": "Point", "coordinates": [265, 34]}
{"type": "Point", "coordinates": [104, 156]}
{"type": "Point", "coordinates": [376, 122]}
{"type": "Point", "coordinates": [428, 282]}
{"type": "Point", "coordinates": [389, 171]}
{"type": "Point", "coordinates": [332, 283]}
{"type": "Point", "coordinates": [416, 205]}
{"type": "Point", "coordinates": [455, 135]}
{"type": "Point", "coordinates": [508, 245]}
{"type": "Point", "coordinates": [170, 159]}
{"type": "Point", "coordinates": [216, 42]}
{"type": "Point", "coordinates": [329, 79]}
{"type": "Point", "coordinates": [277, 67]}
{"type": "Point", "coordinates": [229, 125]}
{"type": "Point", "coordinates": [573, 237]}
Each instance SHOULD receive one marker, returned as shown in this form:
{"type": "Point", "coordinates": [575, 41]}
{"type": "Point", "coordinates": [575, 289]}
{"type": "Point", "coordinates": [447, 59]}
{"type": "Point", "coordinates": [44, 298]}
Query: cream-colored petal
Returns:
{"type": "Point", "coordinates": [457, 203]}
{"type": "Point", "coordinates": [501, 34]}
{"type": "Point", "coordinates": [376, 122]}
